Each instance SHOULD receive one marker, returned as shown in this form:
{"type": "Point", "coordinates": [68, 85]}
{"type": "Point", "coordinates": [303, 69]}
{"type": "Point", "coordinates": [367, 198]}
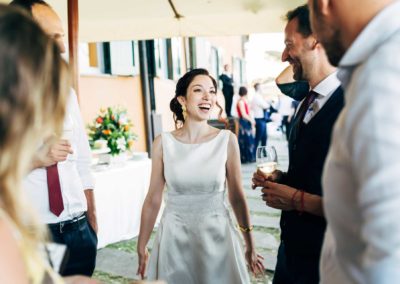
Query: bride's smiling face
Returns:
{"type": "Point", "coordinates": [201, 97]}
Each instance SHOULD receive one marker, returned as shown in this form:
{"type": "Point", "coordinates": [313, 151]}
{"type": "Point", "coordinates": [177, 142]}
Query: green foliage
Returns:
{"type": "Point", "coordinates": [108, 278]}
{"type": "Point", "coordinates": [113, 126]}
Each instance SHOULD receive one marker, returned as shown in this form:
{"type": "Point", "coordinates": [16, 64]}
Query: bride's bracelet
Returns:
{"type": "Point", "coordinates": [245, 229]}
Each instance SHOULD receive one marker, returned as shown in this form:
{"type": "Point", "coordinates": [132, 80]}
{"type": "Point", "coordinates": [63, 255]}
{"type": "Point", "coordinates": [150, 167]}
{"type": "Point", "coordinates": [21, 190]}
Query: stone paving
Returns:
{"type": "Point", "coordinates": [117, 263]}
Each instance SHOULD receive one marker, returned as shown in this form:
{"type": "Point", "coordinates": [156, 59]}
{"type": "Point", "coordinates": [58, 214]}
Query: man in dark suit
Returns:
{"type": "Point", "coordinates": [298, 192]}
{"type": "Point", "coordinates": [227, 89]}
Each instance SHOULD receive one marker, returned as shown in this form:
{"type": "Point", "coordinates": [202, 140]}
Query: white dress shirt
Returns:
{"type": "Point", "coordinates": [235, 100]}
{"type": "Point", "coordinates": [258, 104]}
{"type": "Point", "coordinates": [362, 173]}
{"type": "Point", "coordinates": [325, 89]}
{"type": "Point", "coordinates": [75, 175]}
{"type": "Point", "coordinates": [285, 105]}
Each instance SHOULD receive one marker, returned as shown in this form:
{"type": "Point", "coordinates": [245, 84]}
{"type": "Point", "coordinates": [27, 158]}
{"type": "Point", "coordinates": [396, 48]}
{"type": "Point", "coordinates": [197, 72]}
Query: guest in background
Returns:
{"type": "Point", "coordinates": [260, 108]}
{"type": "Point", "coordinates": [234, 112]}
{"type": "Point", "coordinates": [61, 184]}
{"type": "Point", "coordinates": [298, 192]}
{"type": "Point", "coordinates": [246, 126]}
{"type": "Point", "coordinates": [34, 86]}
{"type": "Point", "coordinates": [361, 175]}
{"type": "Point", "coordinates": [227, 89]}
{"type": "Point", "coordinates": [286, 110]}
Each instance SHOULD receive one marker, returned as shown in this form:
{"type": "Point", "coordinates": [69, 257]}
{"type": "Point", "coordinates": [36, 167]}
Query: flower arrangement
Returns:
{"type": "Point", "coordinates": [113, 126]}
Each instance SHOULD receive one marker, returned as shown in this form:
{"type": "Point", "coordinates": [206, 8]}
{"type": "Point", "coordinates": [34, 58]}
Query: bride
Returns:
{"type": "Point", "coordinates": [197, 241]}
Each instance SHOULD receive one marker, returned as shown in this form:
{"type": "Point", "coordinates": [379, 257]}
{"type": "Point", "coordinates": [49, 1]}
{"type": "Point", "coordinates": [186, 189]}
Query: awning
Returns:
{"type": "Point", "coordinates": [108, 20]}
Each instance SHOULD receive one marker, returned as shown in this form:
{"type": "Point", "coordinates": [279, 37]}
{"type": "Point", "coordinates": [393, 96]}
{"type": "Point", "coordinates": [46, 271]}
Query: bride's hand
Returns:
{"type": "Point", "coordinates": [255, 261]}
{"type": "Point", "coordinates": [143, 257]}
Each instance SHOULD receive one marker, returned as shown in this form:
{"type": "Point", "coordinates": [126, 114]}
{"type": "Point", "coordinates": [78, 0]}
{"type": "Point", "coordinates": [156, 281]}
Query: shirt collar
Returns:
{"type": "Point", "coordinates": [377, 31]}
{"type": "Point", "coordinates": [327, 85]}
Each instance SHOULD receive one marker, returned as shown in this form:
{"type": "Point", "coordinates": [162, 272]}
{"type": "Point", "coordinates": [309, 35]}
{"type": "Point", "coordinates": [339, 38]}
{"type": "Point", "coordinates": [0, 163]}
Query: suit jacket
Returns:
{"type": "Point", "coordinates": [303, 233]}
{"type": "Point", "coordinates": [227, 85]}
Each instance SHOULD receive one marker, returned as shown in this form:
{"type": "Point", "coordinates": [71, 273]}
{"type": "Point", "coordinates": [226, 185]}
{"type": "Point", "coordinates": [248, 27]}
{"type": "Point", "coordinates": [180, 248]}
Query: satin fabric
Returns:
{"type": "Point", "coordinates": [196, 241]}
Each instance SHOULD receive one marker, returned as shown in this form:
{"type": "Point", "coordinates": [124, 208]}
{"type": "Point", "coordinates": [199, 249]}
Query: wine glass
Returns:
{"type": "Point", "coordinates": [267, 159]}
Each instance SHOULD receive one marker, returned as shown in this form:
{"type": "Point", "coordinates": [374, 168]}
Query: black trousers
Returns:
{"type": "Point", "coordinates": [261, 132]}
{"type": "Point", "coordinates": [228, 103]}
{"type": "Point", "coordinates": [296, 269]}
{"type": "Point", "coordinates": [81, 242]}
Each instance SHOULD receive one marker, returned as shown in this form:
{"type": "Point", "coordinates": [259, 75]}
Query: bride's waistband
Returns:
{"type": "Point", "coordinates": [195, 202]}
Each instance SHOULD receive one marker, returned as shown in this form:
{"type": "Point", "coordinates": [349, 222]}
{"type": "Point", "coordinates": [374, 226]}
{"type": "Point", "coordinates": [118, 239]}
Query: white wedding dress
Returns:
{"type": "Point", "coordinates": [196, 241]}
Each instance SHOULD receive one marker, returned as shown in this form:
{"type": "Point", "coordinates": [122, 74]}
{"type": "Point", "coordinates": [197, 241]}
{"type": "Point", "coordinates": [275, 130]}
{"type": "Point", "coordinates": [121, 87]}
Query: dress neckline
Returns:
{"type": "Point", "coordinates": [205, 142]}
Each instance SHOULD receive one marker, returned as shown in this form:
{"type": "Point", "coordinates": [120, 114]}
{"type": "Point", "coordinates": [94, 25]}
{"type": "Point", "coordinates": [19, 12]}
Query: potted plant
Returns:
{"type": "Point", "coordinates": [113, 126]}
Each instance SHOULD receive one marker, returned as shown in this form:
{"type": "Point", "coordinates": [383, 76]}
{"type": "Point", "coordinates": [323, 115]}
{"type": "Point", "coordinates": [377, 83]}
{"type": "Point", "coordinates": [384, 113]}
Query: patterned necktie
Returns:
{"type": "Point", "coordinates": [298, 120]}
{"type": "Point", "coordinates": [54, 188]}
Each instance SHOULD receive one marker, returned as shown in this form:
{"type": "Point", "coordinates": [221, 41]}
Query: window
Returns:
{"type": "Point", "coordinates": [124, 58]}
{"type": "Point", "coordinates": [91, 58]}
{"type": "Point", "coordinates": [214, 63]}
{"type": "Point", "coordinates": [237, 71]}
{"type": "Point", "coordinates": [117, 58]}
{"type": "Point", "coordinates": [168, 58]}
{"type": "Point", "coordinates": [176, 49]}
{"type": "Point", "coordinates": [161, 58]}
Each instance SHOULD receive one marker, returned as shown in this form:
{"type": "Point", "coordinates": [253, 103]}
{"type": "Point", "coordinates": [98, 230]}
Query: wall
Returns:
{"type": "Point", "coordinates": [231, 46]}
{"type": "Point", "coordinates": [103, 91]}
{"type": "Point", "coordinates": [164, 92]}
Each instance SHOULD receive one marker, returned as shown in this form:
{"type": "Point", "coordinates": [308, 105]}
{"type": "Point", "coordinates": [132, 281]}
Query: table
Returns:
{"type": "Point", "coordinates": [119, 195]}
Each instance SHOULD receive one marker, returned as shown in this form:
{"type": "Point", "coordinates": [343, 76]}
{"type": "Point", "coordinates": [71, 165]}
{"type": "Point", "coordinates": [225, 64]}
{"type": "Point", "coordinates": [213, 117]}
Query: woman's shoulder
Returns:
{"type": "Point", "coordinates": [11, 257]}
{"type": "Point", "coordinates": [157, 143]}
{"type": "Point", "coordinates": [232, 139]}
{"type": "Point", "coordinates": [242, 101]}
{"type": "Point", "coordinates": [162, 136]}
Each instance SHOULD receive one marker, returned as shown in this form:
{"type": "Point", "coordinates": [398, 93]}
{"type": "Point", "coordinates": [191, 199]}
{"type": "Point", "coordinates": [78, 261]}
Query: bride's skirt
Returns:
{"type": "Point", "coordinates": [197, 242]}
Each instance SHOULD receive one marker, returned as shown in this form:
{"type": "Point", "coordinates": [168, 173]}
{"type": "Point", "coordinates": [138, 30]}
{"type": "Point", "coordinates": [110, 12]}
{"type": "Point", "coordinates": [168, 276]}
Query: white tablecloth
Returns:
{"type": "Point", "coordinates": [119, 196]}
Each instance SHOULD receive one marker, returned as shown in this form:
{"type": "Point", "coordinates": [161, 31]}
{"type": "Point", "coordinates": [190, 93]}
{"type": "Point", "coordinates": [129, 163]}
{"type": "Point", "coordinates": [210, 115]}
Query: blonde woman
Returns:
{"type": "Point", "coordinates": [33, 91]}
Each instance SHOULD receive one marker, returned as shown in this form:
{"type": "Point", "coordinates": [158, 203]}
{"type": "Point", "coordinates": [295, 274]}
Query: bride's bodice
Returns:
{"type": "Point", "coordinates": [191, 169]}
{"type": "Point", "coordinates": [196, 239]}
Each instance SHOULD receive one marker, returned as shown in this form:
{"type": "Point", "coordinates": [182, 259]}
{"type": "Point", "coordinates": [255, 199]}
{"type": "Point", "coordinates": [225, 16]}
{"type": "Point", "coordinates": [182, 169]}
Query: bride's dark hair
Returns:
{"type": "Point", "coordinates": [181, 90]}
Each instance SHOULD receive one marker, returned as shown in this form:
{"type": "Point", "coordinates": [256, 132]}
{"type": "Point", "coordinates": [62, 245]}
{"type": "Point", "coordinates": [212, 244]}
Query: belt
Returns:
{"type": "Point", "coordinates": [69, 224]}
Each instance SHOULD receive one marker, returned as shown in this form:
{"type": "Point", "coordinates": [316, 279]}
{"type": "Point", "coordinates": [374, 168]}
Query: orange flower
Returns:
{"type": "Point", "coordinates": [99, 120]}
{"type": "Point", "coordinates": [113, 117]}
{"type": "Point", "coordinates": [126, 127]}
{"type": "Point", "coordinates": [106, 131]}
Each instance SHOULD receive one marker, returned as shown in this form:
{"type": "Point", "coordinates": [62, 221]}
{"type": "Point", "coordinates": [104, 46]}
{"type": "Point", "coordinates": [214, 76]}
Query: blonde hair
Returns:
{"type": "Point", "coordinates": [33, 91]}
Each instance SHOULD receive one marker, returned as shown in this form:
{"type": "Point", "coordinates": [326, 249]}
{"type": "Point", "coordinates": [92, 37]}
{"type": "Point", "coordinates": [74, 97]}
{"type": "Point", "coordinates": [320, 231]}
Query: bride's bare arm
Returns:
{"type": "Point", "coordinates": [239, 204]}
{"type": "Point", "coordinates": [235, 188]}
{"type": "Point", "coordinates": [151, 204]}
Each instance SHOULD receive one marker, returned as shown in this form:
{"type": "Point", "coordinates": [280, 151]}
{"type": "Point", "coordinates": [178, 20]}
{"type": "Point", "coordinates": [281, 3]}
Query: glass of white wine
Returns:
{"type": "Point", "coordinates": [267, 159]}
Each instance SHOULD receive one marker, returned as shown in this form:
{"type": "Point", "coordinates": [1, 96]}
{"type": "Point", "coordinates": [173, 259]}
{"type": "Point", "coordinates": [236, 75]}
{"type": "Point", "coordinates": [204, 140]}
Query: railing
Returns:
{"type": "Point", "coordinates": [226, 123]}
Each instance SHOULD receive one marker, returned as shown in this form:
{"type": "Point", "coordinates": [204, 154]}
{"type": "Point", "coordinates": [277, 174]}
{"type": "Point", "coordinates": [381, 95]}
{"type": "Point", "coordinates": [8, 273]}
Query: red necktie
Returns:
{"type": "Point", "coordinates": [298, 120]}
{"type": "Point", "coordinates": [54, 188]}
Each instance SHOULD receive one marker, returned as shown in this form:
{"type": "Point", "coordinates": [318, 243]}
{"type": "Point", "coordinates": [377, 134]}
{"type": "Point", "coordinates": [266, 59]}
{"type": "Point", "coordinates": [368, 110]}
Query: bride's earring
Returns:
{"type": "Point", "coordinates": [184, 112]}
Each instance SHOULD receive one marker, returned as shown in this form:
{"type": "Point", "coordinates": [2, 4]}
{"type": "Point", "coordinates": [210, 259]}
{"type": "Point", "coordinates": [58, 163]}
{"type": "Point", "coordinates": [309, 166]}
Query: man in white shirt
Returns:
{"type": "Point", "coordinates": [259, 106]}
{"type": "Point", "coordinates": [298, 192]}
{"type": "Point", "coordinates": [362, 172]}
{"type": "Point", "coordinates": [61, 186]}
{"type": "Point", "coordinates": [286, 111]}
